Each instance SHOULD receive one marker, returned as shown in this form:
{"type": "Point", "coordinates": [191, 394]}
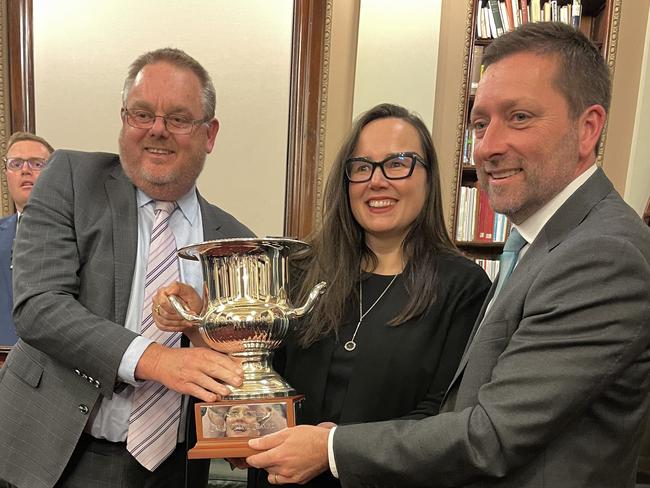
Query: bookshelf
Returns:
{"type": "Point", "coordinates": [476, 229]}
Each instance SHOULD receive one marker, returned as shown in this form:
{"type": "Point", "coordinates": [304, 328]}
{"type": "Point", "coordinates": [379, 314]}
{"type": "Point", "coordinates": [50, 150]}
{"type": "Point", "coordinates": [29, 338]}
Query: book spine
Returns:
{"type": "Point", "coordinates": [496, 17]}
{"type": "Point", "coordinates": [510, 14]}
{"type": "Point", "coordinates": [576, 12]}
{"type": "Point", "coordinates": [524, 11]}
{"type": "Point", "coordinates": [507, 26]}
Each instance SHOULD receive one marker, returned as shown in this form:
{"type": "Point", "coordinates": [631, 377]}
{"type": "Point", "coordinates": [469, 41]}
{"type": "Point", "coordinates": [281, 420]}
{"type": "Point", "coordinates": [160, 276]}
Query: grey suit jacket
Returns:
{"type": "Point", "coordinates": [7, 235]}
{"type": "Point", "coordinates": [73, 267]}
{"type": "Point", "coordinates": [552, 390]}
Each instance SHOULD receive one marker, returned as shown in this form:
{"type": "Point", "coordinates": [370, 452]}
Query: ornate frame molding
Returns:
{"type": "Point", "coordinates": [310, 55]}
{"type": "Point", "coordinates": [461, 113]}
{"type": "Point", "coordinates": [6, 206]}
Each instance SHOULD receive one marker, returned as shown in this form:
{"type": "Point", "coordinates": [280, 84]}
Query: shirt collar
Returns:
{"type": "Point", "coordinates": [532, 226]}
{"type": "Point", "coordinates": [188, 203]}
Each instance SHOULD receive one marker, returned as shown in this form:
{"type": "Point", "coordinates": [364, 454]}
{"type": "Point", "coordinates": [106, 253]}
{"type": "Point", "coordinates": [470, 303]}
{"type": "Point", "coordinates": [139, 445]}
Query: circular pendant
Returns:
{"type": "Point", "coordinates": [350, 346]}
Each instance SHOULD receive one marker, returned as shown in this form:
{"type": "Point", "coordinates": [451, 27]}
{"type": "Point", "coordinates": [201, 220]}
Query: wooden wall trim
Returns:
{"type": "Point", "coordinates": [21, 65]}
{"type": "Point", "coordinates": [307, 115]}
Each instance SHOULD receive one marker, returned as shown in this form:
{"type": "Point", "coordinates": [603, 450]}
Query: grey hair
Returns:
{"type": "Point", "coordinates": [180, 59]}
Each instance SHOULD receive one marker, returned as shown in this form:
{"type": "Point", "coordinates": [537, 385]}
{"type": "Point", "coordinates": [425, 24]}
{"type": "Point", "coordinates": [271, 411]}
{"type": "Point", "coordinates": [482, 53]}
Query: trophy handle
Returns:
{"type": "Point", "coordinates": [315, 293]}
{"type": "Point", "coordinates": [178, 304]}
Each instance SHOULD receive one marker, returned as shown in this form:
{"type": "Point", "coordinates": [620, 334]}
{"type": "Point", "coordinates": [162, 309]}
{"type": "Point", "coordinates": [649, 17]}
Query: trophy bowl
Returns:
{"type": "Point", "coordinates": [246, 306]}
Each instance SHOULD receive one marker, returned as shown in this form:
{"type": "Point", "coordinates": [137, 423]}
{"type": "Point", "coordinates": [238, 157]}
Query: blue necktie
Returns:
{"type": "Point", "coordinates": [508, 258]}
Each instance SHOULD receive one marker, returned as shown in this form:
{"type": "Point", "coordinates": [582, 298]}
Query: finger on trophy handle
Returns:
{"type": "Point", "coordinates": [180, 308]}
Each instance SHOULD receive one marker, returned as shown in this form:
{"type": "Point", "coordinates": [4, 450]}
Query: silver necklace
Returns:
{"type": "Point", "coordinates": [351, 345]}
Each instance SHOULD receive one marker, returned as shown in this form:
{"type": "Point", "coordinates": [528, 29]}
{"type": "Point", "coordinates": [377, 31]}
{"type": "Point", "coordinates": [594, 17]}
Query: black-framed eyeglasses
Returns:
{"type": "Point", "coordinates": [394, 167]}
{"type": "Point", "coordinates": [174, 123]}
{"type": "Point", "coordinates": [17, 164]}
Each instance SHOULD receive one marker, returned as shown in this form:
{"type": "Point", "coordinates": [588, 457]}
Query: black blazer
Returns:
{"type": "Point", "coordinates": [399, 371]}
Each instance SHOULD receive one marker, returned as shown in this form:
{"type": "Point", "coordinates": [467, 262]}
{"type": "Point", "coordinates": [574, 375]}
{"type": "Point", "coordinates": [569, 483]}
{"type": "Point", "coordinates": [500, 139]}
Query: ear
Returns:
{"type": "Point", "coordinates": [590, 126]}
{"type": "Point", "coordinates": [212, 128]}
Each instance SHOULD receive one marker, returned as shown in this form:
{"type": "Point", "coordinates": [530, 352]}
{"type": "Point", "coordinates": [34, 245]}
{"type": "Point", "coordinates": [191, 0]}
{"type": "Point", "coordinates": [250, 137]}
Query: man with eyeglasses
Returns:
{"type": "Point", "coordinates": [92, 392]}
{"type": "Point", "coordinates": [27, 155]}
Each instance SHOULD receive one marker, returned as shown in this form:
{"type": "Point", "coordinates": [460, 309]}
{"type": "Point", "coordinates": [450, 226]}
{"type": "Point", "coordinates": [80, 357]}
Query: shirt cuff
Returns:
{"type": "Point", "coordinates": [133, 353]}
{"type": "Point", "coordinates": [330, 453]}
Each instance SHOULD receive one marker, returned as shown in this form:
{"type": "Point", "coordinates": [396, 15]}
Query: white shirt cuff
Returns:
{"type": "Point", "coordinates": [330, 453]}
{"type": "Point", "coordinates": [133, 353]}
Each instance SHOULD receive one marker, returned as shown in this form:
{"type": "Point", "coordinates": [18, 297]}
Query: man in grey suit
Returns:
{"type": "Point", "coordinates": [552, 388]}
{"type": "Point", "coordinates": [67, 389]}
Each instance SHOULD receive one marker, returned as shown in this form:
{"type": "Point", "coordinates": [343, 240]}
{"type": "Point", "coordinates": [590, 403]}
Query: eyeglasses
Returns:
{"type": "Point", "coordinates": [174, 123]}
{"type": "Point", "coordinates": [394, 167]}
{"type": "Point", "coordinates": [16, 164]}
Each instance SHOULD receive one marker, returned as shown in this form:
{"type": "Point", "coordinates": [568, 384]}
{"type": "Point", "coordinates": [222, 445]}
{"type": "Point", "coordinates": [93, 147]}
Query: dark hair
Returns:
{"type": "Point", "coordinates": [28, 136]}
{"type": "Point", "coordinates": [339, 248]}
{"type": "Point", "coordinates": [180, 59]}
{"type": "Point", "coordinates": [582, 75]}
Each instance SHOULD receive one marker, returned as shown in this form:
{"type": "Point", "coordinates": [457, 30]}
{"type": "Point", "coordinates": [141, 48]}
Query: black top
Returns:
{"type": "Point", "coordinates": [394, 371]}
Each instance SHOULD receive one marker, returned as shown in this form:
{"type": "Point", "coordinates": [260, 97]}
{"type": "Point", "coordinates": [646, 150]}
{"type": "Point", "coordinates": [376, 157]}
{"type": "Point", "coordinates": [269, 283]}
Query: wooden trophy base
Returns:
{"type": "Point", "coordinates": [224, 428]}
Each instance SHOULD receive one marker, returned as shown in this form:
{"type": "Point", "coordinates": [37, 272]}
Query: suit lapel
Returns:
{"type": "Point", "coordinates": [211, 222]}
{"type": "Point", "coordinates": [556, 230]}
{"type": "Point", "coordinates": [124, 214]}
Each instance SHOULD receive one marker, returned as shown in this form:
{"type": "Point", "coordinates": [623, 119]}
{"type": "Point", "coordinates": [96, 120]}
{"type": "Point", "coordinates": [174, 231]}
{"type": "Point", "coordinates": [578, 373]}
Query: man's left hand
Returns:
{"type": "Point", "coordinates": [294, 455]}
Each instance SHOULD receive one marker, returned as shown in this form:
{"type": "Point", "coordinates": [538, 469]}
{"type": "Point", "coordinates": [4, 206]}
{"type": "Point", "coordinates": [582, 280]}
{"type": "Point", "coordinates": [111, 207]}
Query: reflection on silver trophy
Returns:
{"type": "Point", "coordinates": [247, 310]}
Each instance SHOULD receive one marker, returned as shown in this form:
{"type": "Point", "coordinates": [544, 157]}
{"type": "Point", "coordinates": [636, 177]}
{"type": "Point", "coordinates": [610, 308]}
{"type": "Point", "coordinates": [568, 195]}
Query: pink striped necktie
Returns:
{"type": "Point", "coordinates": [153, 425]}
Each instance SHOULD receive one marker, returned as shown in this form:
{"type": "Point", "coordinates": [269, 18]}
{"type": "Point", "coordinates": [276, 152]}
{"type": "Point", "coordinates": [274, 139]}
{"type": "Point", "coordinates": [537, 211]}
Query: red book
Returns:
{"type": "Point", "coordinates": [511, 15]}
{"type": "Point", "coordinates": [524, 11]}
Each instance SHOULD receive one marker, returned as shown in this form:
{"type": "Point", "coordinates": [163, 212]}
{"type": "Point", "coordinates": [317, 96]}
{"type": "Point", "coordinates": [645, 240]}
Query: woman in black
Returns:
{"type": "Point", "coordinates": [386, 338]}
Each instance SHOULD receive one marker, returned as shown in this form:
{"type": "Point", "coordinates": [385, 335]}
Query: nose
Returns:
{"type": "Point", "coordinates": [377, 179]}
{"type": "Point", "coordinates": [490, 143]}
{"type": "Point", "coordinates": [26, 169]}
{"type": "Point", "coordinates": [159, 127]}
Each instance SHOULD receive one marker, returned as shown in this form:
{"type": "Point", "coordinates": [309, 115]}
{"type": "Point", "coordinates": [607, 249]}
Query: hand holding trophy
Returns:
{"type": "Point", "coordinates": [246, 314]}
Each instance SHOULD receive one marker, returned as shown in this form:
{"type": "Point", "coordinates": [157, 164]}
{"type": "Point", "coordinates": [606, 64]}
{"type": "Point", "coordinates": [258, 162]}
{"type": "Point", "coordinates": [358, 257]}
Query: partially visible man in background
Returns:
{"type": "Point", "coordinates": [26, 156]}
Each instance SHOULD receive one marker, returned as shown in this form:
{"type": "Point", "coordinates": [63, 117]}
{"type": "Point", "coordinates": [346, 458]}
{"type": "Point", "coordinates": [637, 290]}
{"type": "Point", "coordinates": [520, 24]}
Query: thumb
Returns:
{"type": "Point", "coordinates": [268, 441]}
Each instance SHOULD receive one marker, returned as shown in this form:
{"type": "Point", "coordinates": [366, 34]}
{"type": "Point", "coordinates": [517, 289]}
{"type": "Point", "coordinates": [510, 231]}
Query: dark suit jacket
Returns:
{"type": "Point", "coordinates": [552, 390]}
{"type": "Point", "coordinates": [7, 235]}
{"type": "Point", "coordinates": [73, 267]}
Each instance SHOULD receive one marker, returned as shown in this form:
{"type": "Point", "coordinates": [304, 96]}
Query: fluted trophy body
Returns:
{"type": "Point", "coordinates": [247, 310]}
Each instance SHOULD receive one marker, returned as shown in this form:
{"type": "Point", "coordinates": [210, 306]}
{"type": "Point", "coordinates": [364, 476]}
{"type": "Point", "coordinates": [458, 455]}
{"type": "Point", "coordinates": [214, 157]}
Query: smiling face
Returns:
{"type": "Point", "coordinates": [21, 182]}
{"type": "Point", "coordinates": [162, 164]}
{"type": "Point", "coordinates": [527, 147]}
{"type": "Point", "coordinates": [384, 208]}
{"type": "Point", "coordinates": [241, 421]}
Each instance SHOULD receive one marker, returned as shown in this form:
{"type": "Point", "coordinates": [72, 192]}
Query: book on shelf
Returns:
{"type": "Point", "coordinates": [477, 222]}
{"type": "Point", "coordinates": [490, 266]}
{"type": "Point", "coordinates": [576, 12]}
{"type": "Point", "coordinates": [510, 14]}
{"type": "Point", "coordinates": [494, 17]}
{"type": "Point", "coordinates": [468, 147]}
{"type": "Point", "coordinates": [477, 67]}
{"type": "Point", "coordinates": [535, 10]}
{"type": "Point", "coordinates": [507, 26]}
{"type": "Point", "coordinates": [524, 11]}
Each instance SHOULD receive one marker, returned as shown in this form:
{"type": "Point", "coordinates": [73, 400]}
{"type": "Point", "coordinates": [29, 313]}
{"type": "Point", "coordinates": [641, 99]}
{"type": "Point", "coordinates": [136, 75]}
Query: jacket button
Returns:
{"type": "Point", "coordinates": [78, 372]}
{"type": "Point", "coordinates": [83, 409]}
{"type": "Point", "coordinates": [97, 384]}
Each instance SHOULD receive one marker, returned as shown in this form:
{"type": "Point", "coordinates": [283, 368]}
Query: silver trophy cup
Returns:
{"type": "Point", "coordinates": [246, 311]}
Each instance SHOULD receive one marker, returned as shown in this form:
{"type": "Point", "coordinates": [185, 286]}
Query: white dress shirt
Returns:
{"type": "Point", "coordinates": [110, 419]}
